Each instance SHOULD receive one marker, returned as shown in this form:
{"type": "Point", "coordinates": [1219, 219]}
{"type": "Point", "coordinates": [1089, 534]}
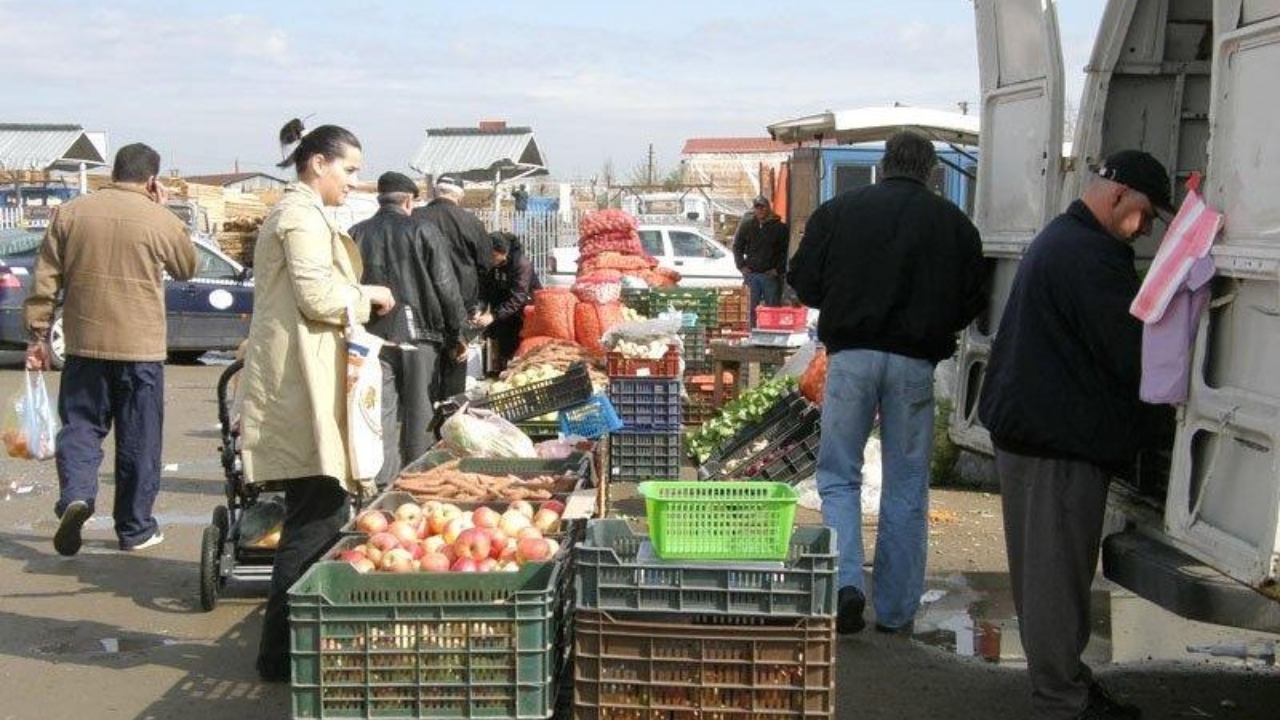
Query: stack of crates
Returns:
{"type": "Point", "coordinates": [646, 396]}
{"type": "Point", "coordinates": [655, 639]}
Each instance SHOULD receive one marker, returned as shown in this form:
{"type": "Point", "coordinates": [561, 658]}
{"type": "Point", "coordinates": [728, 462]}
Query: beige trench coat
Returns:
{"type": "Point", "coordinates": [306, 274]}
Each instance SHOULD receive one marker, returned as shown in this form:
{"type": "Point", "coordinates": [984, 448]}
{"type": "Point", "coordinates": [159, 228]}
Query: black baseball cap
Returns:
{"type": "Point", "coordinates": [1142, 172]}
{"type": "Point", "coordinates": [392, 182]}
{"type": "Point", "coordinates": [760, 201]}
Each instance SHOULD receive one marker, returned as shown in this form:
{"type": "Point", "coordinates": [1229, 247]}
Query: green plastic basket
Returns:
{"type": "Point", "coordinates": [720, 520]}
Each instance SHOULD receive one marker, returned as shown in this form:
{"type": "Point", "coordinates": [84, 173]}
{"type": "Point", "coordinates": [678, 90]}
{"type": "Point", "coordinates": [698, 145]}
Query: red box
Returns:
{"type": "Point", "coordinates": [668, 366]}
{"type": "Point", "coordinates": [791, 319]}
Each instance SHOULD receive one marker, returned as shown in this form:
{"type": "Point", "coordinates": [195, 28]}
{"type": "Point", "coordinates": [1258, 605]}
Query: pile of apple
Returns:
{"type": "Point", "coordinates": [441, 537]}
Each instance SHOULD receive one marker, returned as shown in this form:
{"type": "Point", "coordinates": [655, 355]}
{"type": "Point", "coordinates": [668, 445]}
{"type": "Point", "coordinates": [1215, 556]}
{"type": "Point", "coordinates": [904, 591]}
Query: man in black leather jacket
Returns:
{"type": "Point", "coordinates": [465, 241]}
{"type": "Point", "coordinates": [409, 257]}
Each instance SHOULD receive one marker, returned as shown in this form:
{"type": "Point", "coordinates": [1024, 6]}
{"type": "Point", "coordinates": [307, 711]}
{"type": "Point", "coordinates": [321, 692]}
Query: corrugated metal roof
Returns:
{"type": "Point", "coordinates": [224, 179]}
{"type": "Point", "coordinates": [46, 147]}
{"type": "Point", "coordinates": [474, 154]}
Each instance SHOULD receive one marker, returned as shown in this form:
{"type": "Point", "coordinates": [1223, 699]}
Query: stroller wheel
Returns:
{"type": "Point", "coordinates": [222, 521]}
{"type": "Point", "coordinates": [210, 566]}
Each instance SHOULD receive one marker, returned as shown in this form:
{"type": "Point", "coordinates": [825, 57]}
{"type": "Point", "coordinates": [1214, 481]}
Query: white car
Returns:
{"type": "Point", "coordinates": [701, 261]}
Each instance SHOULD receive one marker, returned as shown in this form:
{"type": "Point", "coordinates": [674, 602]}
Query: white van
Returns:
{"type": "Point", "coordinates": [1193, 83]}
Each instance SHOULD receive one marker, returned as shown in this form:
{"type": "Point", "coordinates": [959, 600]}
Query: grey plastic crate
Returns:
{"type": "Point", "coordinates": [613, 576]}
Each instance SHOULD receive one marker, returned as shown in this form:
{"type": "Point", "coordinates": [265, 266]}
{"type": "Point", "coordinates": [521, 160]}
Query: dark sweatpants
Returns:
{"type": "Point", "coordinates": [408, 384]}
{"type": "Point", "coordinates": [316, 508]}
{"type": "Point", "coordinates": [94, 395]}
{"type": "Point", "coordinates": [1053, 515]}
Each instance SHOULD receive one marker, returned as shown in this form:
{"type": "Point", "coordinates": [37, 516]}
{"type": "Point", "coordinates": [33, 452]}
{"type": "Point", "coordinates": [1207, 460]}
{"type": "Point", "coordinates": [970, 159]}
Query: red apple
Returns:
{"type": "Point", "coordinates": [508, 553]}
{"type": "Point", "coordinates": [409, 512]}
{"type": "Point", "coordinates": [485, 517]}
{"type": "Point", "coordinates": [487, 565]}
{"type": "Point", "coordinates": [533, 550]}
{"type": "Point", "coordinates": [497, 541]}
{"type": "Point", "coordinates": [433, 544]}
{"type": "Point", "coordinates": [429, 507]}
{"type": "Point", "coordinates": [553, 505]}
{"type": "Point", "coordinates": [434, 562]}
{"type": "Point", "coordinates": [352, 555]}
{"type": "Point", "coordinates": [404, 531]}
{"type": "Point", "coordinates": [546, 520]}
{"type": "Point", "coordinates": [523, 507]}
{"type": "Point", "coordinates": [384, 541]}
{"type": "Point", "coordinates": [528, 532]}
{"type": "Point", "coordinates": [463, 565]}
{"type": "Point", "coordinates": [508, 566]}
{"type": "Point", "coordinates": [364, 565]}
{"type": "Point", "coordinates": [473, 543]}
{"type": "Point", "coordinates": [442, 516]}
{"type": "Point", "coordinates": [371, 522]}
{"type": "Point", "coordinates": [373, 552]}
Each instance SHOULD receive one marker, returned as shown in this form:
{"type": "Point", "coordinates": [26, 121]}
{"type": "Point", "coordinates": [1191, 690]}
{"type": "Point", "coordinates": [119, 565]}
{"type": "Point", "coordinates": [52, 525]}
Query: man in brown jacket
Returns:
{"type": "Point", "coordinates": [106, 254]}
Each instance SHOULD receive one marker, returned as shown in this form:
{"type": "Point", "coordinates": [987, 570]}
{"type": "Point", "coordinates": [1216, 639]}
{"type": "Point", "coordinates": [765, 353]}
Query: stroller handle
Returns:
{"type": "Point", "coordinates": [224, 382]}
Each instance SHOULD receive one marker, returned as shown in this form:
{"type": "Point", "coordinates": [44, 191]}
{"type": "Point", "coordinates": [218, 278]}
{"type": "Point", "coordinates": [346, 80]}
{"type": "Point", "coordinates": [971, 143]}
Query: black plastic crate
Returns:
{"type": "Point", "coordinates": [697, 354]}
{"type": "Point", "coordinates": [541, 397]}
{"type": "Point", "coordinates": [645, 456]}
{"type": "Point", "coordinates": [660, 667]}
{"type": "Point", "coordinates": [615, 573]}
{"type": "Point", "coordinates": [783, 439]}
{"type": "Point", "coordinates": [788, 412]}
{"type": "Point", "coordinates": [796, 461]}
{"type": "Point", "coordinates": [646, 404]}
{"type": "Point", "coordinates": [637, 299]}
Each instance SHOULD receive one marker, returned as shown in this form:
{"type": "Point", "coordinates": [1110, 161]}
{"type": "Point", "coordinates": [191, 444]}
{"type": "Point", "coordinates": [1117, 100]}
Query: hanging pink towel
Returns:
{"type": "Point", "coordinates": [1188, 239]}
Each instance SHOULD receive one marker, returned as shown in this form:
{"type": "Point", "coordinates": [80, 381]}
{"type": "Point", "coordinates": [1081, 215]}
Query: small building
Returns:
{"type": "Point", "coordinates": [732, 166]}
{"type": "Point", "coordinates": [490, 154]}
{"type": "Point", "coordinates": [242, 181]}
{"type": "Point", "coordinates": [42, 165]}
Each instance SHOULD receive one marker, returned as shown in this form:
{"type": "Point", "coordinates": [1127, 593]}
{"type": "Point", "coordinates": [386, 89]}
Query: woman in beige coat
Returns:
{"type": "Point", "coordinates": [306, 276]}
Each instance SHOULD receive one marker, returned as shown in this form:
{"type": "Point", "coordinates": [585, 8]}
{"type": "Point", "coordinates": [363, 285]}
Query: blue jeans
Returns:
{"type": "Point", "coordinates": [860, 382]}
{"type": "Point", "coordinates": [764, 290]}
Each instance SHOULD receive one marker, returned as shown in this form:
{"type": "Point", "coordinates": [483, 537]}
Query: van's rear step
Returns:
{"type": "Point", "coordinates": [1181, 584]}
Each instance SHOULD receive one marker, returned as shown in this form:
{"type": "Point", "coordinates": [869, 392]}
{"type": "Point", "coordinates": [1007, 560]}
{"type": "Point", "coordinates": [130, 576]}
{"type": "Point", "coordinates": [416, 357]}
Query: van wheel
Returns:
{"type": "Point", "coordinates": [57, 343]}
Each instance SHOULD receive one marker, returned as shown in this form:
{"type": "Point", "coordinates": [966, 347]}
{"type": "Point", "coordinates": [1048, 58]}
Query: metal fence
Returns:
{"type": "Point", "coordinates": [542, 231]}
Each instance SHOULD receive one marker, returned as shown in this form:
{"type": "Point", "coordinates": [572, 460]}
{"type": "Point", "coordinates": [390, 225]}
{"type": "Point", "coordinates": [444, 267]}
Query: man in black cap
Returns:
{"type": "Point", "coordinates": [1060, 399]}
{"type": "Point", "coordinates": [466, 244]}
{"type": "Point", "coordinates": [760, 252]}
{"type": "Point", "coordinates": [411, 258]}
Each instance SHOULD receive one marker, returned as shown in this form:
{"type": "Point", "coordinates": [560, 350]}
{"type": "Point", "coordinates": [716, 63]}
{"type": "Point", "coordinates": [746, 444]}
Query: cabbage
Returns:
{"type": "Point", "coordinates": [483, 433]}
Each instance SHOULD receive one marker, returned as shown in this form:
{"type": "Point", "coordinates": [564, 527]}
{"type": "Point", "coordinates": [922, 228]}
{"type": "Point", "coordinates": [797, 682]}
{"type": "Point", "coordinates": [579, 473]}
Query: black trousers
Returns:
{"type": "Point", "coordinates": [408, 406]}
{"type": "Point", "coordinates": [1053, 515]}
{"type": "Point", "coordinates": [452, 375]}
{"type": "Point", "coordinates": [316, 508]}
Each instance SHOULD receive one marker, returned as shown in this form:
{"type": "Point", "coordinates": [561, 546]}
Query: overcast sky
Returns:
{"type": "Point", "coordinates": [210, 83]}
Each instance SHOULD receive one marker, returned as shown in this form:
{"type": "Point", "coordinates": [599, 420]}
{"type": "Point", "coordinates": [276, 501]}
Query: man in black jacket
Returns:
{"type": "Point", "coordinates": [896, 271]}
{"type": "Point", "coordinates": [1060, 398]}
{"type": "Point", "coordinates": [760, 252]}
{"type": "Point", "coordinates": [408, 256]}
{"type": "Point", "coordinates": [466, 243]}
{"type": "Point", "coordinates": [507, 289]}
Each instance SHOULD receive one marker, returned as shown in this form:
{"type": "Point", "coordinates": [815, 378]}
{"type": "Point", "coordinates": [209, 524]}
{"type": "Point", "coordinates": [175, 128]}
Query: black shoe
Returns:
{"type": "Point", "coordinates": [849, 613]}
{"type": "Point", "coordinates": [67, 539]}
{"type": "Point", "coordinates": [273, 672]}
{"type": "Point", "coordinates": [903, 630]}
{"type": "Point", "coordinates": [1105, 707]}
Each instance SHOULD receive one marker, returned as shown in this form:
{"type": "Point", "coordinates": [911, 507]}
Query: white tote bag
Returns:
{"type": "Point", "coordinates": [364, 400]}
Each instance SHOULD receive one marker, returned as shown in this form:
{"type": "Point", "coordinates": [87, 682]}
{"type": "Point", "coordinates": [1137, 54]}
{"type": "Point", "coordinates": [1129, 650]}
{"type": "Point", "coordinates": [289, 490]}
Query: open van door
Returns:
{"type": "Point", "coordinates": [1214, 552]}
{"type": "Point", "coordinates": [1019, 172]}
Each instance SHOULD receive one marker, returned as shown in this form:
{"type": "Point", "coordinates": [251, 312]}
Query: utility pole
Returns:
{"type": "Point", "coordinates": [649, 179]}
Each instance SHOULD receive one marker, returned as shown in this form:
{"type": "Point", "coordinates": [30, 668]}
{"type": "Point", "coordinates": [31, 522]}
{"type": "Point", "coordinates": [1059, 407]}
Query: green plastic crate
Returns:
{"type": "Point", "coordinates": [703, 302]}
{"type": "Point", "coordinates": [414, 645]}
{"type": "Point", "coordinates": [720, 520]}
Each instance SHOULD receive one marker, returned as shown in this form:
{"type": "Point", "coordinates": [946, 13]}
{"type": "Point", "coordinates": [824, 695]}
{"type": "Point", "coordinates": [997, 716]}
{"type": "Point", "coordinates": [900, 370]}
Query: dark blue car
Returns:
{"type": "Point", "coordinates": [210, 311]}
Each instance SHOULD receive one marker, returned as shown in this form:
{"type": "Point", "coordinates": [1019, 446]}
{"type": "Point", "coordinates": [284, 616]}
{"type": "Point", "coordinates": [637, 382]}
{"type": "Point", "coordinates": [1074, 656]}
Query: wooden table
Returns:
{"type": "Point", "coordinates": [727, 355]}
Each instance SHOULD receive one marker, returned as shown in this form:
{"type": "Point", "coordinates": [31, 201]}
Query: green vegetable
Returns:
{"type": "Point", "coordinates": [747, 408]}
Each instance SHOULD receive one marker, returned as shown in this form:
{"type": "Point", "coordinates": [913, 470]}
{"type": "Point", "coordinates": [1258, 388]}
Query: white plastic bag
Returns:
{"type": "Point", "coordinates": [364, 400]}
{"type": "Point", "coordinates": [477, 432]}
{"type": "Point", "coordinates": [31, 425]}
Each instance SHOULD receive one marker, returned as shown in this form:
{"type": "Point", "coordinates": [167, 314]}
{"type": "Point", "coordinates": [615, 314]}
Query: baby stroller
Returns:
{"type": "Point", "coordinates": [238, 544]}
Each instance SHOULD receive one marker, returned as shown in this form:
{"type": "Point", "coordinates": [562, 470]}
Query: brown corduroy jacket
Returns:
{"type": "Point", "coordinates": [107, 252]}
